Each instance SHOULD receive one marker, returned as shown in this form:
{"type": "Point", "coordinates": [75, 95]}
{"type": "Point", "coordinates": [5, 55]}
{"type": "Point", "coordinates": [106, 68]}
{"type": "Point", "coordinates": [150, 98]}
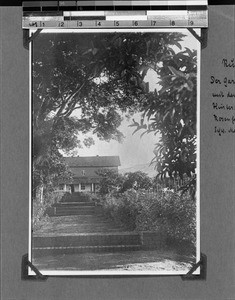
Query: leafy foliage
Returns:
{"type": "Point", "coordinates": [136, 180]}
{"type": "Point", "coordinates": [172, 112]}
{"type": "Point", "coordinates": [101, 76]}
{"type": "Point", "coordinates": [49, 171]}
{"type": "Point", "coordinates": [112, 181]}
{"type": "Point", "coordinates": [40, 216]}
{"type": "Point", "coordinates": [168, 212]}
{"type": "Point", "coordinates": [123, 208]}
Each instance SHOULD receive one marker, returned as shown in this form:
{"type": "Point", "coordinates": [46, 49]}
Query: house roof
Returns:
{"type": "Point", "coordinates": [93, 161]}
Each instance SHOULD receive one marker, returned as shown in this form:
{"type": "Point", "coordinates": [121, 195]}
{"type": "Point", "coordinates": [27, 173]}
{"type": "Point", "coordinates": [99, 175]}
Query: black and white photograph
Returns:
{"type": "Point", "coordinates": [117, 150]}
{"type": "Point", "coordinates": [115, 178]}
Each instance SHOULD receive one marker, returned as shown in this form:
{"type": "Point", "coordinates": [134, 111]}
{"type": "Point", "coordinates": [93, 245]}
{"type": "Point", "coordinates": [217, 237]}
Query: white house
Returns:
{"type": "Point", "coordinates": [84, 170]}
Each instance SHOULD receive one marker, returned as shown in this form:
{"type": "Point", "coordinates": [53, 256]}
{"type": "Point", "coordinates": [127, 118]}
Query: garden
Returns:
{"type": "Point", "coordinates": [82, 73]}
{"type": "Point", "coordinates": [136, 202]}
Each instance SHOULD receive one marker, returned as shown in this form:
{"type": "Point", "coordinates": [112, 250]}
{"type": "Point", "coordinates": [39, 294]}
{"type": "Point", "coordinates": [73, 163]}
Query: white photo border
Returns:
{"type": "Point", "coordinates": [111, 272]}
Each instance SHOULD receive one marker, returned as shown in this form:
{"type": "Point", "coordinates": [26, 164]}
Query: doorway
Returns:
{"type": "Point", "coordinates": [72, 188]}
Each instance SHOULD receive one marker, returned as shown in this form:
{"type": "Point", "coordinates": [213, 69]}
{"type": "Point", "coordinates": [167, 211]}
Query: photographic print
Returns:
{"type": "Point", "coordinates": [114, 184]}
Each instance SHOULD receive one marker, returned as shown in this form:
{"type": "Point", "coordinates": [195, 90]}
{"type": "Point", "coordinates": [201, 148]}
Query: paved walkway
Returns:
{"type": "Point", "coordinates": [152, 261]}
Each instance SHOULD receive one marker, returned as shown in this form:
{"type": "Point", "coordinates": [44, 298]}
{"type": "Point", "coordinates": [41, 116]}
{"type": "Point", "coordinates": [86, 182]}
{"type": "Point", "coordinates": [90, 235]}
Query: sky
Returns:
{"type": "Point", "coordinates": [134, 150]}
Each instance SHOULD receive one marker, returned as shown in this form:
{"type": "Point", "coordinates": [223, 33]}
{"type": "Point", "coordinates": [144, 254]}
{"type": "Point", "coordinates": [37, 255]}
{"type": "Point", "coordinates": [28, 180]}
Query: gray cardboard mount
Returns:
{"type": "Point", "coordinates": [217, 183]}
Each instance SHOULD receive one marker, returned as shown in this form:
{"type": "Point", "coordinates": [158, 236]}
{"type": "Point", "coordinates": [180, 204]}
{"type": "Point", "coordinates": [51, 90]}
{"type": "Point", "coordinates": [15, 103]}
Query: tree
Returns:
{"type": "Point", "coordinates": [136, 180]}
{"type": "Point", "coordinates": [102, 77]}
{"type": "Point", "coordinates": [110, 181]}
{"type": "Point", "coordinates": [172, 112]}
{"type": "Point", "coordinates": [49, 172]}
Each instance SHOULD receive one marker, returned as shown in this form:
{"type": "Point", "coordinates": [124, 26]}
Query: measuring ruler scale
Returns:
{"type": "Point", "coordinates": [124, 14]}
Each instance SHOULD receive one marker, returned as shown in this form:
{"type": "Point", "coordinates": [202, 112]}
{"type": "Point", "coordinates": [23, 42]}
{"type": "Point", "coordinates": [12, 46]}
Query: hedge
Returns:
{"type": "Point", "coordinates": [170, 212]}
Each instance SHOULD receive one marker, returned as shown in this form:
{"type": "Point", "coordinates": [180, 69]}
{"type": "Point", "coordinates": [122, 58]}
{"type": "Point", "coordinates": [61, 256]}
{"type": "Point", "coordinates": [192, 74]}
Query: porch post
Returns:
{"type": "Point", "coordinates": [39, 193]}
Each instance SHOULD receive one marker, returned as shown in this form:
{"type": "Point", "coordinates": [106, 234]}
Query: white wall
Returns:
{"type": "Point", "coordinates": [77, 188]}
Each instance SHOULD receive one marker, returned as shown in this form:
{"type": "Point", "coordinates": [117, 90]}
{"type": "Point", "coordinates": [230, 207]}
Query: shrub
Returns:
{"type": "Point", "coordinates": [40, 210]}
{"type": "Point", "coordinates": [110, 181]}
{"type": "Point", "coordinates": [177, 216]}
{"type": "Point", "coordinates": [38, 217]}
{"type": "Point", "coordinates": [123, 207]}
{"type": "Point", "coordinates": [169, 212]}
{"type": "Point", "coordinates": [137, 180]}
{"type": "Point", "coordinates": [96, 198]}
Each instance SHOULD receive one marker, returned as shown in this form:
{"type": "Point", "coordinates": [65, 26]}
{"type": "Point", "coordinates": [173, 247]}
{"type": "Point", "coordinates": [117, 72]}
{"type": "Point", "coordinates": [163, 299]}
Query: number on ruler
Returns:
{"type": "Point", "coordinates": [79, 24]}
{"type": "Point", "coordinates": [98, 23]}
{"type": "Point", "coordinates": [190, 23]}
{"type": "Point", "coordinates": [33, 24]}
{"type": "Point", "coordinates": [135, 23]}
{"type": "Point", "coordinates": [153, 23]}
{"type": "Point", "coordinates": [172, 23]}
{"type": "Point", "coordinates": [116, 23]}
{"type": "Point", "coordinates": [61, 24]}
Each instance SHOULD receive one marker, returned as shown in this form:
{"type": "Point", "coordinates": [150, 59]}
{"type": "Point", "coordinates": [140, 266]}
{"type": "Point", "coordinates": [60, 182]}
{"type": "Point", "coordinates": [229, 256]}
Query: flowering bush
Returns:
{"type": "Point", "coordinates": [123, 207]}
{"type": "Point", "coordinates": [39, 215]}
{"type": "Point", "coordinates": [169, 212]}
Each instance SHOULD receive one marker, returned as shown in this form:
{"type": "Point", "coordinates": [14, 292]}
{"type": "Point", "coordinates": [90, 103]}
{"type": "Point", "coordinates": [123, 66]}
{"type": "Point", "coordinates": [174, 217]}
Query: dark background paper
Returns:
{"type": "Point", "coordinates": [217, 182]}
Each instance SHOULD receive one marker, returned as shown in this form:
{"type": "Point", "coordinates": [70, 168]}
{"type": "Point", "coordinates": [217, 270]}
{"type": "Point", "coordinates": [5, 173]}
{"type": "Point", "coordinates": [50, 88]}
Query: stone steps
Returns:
{"type": "Point", "coordinates": [74, 208]}
{"type": "Point", "coordinates": [89, 239]}
{"type": "Point", "coordinates": [83, 219]}
{"type": "Point", "coordinates": [76, 197]}
{"type": "Point", "coordinates": [68, 211]}
{"type": "Point", "coordinates": [44, 251]}
{"type": "Point", "coordinates": [97, 242]}
{"type": "Point", "coordinates": [74, 204]}
{"type": "Point", "coordinates": [65, 225]}
{"type": "Point", "coordinates": [86, 242]}
{"type": "Point", "coordinates": [81, 227]}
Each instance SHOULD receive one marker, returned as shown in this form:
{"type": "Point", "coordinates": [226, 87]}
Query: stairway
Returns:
{"type": "Point", "coordinates": [75, 197]}
{"type": "Point", "coordinates": [74, 208]}
{"type": "Point", "coordinates": [86, 242]}
{"type": "Point", "coordinates": [79, 226]}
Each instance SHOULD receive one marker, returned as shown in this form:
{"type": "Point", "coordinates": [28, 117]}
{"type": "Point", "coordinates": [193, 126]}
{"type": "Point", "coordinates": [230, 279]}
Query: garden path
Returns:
{"type": "Point", "coordinates": [78, 236]}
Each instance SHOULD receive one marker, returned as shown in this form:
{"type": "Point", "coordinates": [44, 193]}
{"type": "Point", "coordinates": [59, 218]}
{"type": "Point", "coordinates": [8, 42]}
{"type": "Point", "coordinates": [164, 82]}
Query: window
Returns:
{"type": "Point", "coordinates": [83, 187]}
{"type": "Point", "coordinates": [61, 187]}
